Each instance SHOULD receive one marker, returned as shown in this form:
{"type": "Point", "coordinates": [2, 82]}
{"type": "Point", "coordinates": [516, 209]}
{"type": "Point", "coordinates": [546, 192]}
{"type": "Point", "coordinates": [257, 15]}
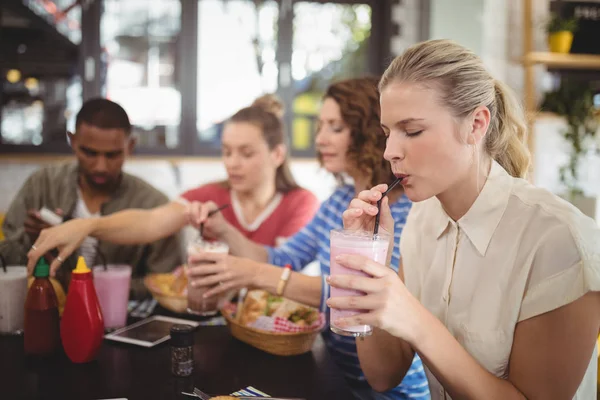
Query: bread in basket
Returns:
{"type": "Point", "coordinates": [274, 324]}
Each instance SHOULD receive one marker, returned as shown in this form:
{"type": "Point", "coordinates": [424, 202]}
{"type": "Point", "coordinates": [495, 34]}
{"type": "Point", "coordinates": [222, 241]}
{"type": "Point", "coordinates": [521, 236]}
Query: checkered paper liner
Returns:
{"type": "Point", "coordinates": [283, 325]}
{"type": "Point", "coordinates": [280, 325]}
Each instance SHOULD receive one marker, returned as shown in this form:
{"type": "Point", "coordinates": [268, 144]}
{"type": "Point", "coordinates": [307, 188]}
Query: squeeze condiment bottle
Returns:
{"type": "Point", "coordinates": [41, 326]}
{"type": "Point", "coordinates": [82, 325]}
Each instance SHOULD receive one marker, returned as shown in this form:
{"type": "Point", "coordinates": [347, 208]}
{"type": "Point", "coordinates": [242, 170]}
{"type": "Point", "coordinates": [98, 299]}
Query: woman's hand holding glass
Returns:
{"type": "Point", "coordinates": [223, 271]}
{"type": "Point", "coordinates": [387, 303]}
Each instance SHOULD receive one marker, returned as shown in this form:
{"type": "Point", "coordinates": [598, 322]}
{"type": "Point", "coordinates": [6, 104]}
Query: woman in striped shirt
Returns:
{"type": "Point", "coordinates": [349, 143]}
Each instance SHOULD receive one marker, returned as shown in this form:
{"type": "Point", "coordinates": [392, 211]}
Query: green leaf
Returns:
{"type": "Point", "coordinates": [574, 101]}
{"type": "Point", "coordinates": [559, 24]}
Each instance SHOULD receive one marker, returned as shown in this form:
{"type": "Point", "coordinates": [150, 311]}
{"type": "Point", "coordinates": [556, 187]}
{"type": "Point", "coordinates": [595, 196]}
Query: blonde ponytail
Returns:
{"type": "Point", "coordinates": [507, 133]}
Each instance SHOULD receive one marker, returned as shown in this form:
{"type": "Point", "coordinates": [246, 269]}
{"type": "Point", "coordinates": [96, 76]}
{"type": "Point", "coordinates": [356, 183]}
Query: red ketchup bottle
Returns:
{"type": "Point", "coordinates": [41, 331]}
{"type": "Point", "coordinates": [82, 325]}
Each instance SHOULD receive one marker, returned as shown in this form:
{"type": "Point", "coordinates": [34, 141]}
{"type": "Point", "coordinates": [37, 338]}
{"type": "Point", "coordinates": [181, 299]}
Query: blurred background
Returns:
{"type": "Point", "coordinates": [181, 67]}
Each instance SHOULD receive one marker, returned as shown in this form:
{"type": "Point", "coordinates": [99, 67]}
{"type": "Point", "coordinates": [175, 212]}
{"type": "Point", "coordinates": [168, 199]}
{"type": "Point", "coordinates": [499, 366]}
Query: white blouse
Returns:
{"type": "Point", "coordinates": [517, 253]}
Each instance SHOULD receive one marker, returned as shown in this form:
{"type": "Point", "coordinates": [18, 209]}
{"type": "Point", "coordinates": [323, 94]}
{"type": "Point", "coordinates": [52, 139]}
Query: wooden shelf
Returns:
{"type": "Point", "coordinates": [567, 61]}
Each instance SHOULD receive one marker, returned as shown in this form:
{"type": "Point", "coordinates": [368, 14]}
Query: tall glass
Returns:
{"type": "Point", "coordinates": [112, 287]}
{"type": "Point", "coordinates": [354, 242]}
{"type": "Point", "coordinates": [198, 305]}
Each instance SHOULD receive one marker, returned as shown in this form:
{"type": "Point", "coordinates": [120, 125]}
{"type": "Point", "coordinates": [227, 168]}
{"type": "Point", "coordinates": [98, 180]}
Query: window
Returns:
{"type": "Point", "coordinates": [238, 45]}
{"type": "Point", "coordinates": [139, 38]}
{"type": "Point", "coordinates": [330, 42]}
{"type": "Point", "coordinates": [181, 68]}
{"type": "Point", "coordinates": [38, 75]}
{"type": "Point", "coordinates": [237, 40]}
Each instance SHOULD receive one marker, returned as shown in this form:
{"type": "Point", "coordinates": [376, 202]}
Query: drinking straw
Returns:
{"type": "Point", "coordinates": [210, 214]}
{"type": "Point", "coordinates": [393, 185]}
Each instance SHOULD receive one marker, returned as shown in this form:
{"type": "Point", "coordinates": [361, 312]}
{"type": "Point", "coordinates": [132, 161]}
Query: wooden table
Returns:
{"type": "Point", "coordinates": [222, 365]}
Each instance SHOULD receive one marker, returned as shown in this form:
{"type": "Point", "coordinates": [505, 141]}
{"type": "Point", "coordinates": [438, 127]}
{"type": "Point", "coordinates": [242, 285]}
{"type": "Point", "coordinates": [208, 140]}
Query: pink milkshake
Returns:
{"type": "Point", "coordinates": [361, 243]}
{"type": "Point", "coordinates": [112, 288]}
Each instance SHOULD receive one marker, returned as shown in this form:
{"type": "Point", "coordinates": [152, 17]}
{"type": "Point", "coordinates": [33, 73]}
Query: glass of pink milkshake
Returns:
{"type": "Point", "coordinates": [354, 242]}
{"type": "Point", "coordinates": [112, 287]}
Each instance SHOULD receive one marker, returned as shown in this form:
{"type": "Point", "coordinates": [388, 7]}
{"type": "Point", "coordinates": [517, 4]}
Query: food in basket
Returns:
{"type": "Point", "coordinates": [250, 322]}
{"type": "Point", "coordinates": [170, 290]}
{"type": "Point", "coordinates": [260, 303]}
{"type": "Point", "coordinates": [168, 284]}
{"type": "Point", "coordinates": [253, 307]}
{"type": "Point", "coordinates": [297, 313]}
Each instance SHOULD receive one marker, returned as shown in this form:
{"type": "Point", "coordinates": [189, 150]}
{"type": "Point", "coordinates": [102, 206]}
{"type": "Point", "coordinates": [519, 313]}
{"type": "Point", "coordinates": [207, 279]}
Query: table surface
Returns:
{"type": "Point", "coordinates": [222, 365]}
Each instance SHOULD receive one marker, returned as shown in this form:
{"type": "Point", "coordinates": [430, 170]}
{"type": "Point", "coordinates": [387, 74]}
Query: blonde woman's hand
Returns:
{"type": "Point", "coordinates": [362, 211]}
{"type": "Point", "coordinates": [386, 304]}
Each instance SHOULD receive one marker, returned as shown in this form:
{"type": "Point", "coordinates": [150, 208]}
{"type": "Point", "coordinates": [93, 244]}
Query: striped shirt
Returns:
{"type": "Point", "coordinates": [312, 243]}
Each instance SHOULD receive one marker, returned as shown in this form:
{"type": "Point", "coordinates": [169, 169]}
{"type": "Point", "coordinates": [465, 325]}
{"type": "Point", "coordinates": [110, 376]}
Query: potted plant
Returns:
{"type": "Point", "coordinates": [560, 33]}
{"type": "Point", "coordinates": [574, 102]}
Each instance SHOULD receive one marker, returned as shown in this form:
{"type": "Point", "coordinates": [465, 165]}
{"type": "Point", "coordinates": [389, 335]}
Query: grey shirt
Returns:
{"type": "Point", "coordinates": [56, 187]}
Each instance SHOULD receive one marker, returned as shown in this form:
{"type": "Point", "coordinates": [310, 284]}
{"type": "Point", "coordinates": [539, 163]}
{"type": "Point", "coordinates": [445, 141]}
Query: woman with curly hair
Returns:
{"type": "Point", "coordinates": [349, 142]}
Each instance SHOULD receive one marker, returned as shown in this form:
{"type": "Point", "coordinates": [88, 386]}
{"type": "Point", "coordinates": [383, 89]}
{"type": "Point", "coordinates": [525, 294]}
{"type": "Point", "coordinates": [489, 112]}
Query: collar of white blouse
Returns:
{"type": "Point", "coordinates": [482, 219]}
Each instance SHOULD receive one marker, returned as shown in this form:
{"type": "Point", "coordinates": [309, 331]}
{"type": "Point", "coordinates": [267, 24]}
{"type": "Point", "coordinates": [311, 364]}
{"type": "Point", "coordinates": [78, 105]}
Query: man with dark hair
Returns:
{"type": "Point", "coordinates": [92, 186]}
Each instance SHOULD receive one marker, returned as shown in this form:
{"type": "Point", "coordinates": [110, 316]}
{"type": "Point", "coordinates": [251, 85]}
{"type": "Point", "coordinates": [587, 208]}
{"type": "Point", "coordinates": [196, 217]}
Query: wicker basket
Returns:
{"type": "Point", "coordinates": [280, 344]}
{"type": "Point", "coordinates": [176, 303]}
